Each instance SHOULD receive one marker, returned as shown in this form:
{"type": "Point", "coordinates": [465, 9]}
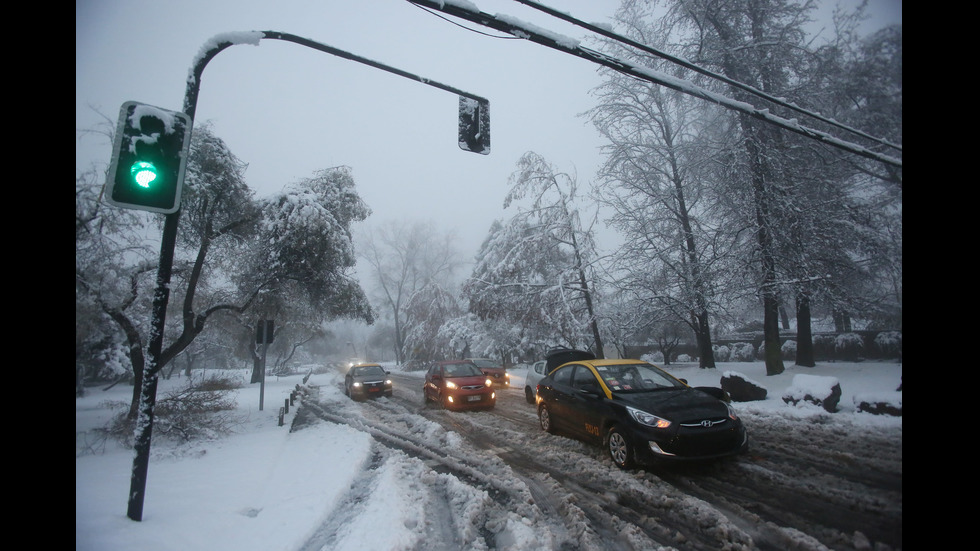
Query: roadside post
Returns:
{"type": "Point", "coordinates": [264, 333]}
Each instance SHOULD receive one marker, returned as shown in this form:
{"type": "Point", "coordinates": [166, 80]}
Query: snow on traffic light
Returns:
{"type": "Point", "coordinates": [149, 157]}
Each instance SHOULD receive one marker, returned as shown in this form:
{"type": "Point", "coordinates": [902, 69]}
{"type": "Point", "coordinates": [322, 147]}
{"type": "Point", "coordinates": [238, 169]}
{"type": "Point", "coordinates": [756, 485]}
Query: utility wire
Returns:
{"type": "Point", "coordinates": [507, 24]}
{"type": "Point", "coordinates": [687, 64]}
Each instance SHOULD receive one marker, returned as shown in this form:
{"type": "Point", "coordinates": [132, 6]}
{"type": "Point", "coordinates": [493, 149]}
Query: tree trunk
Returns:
{"type": "Point", "coordinates": [774, 353]}
{"type": "Point", "coordinates": [784, 317]}
{"type": "Point", "coordinates": [706, 354]}
{"type": "Point", "coordinates": [804, 333]}
{"type": "Point", "coordinates": [770, 301]}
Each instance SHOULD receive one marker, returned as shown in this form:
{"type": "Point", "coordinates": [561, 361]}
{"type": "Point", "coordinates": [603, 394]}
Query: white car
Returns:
{"type": "Point", "coordinates": [535, 372]}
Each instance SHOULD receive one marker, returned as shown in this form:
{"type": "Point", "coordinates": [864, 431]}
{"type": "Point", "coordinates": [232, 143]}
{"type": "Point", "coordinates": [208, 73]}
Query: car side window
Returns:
{"type": "Point", "coordinates": [563, 376]}
{"type": "Point", "coordinates": [539, 368]}
{"type": "Point", "coordinates": [582, 377]}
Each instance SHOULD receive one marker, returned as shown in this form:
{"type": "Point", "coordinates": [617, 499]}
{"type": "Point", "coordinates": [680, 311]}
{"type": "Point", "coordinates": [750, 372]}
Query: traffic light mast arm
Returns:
{"type": "Point", "coordinates": [222, 41]}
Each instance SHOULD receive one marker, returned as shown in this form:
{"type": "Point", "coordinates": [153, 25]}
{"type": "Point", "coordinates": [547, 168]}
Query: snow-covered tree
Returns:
{"type": "Point", "coordinates": [654, 182]}
{"type": "Point", "coordinates": [426, 312]}
{"type": "Point", "coordinates": [535, 271]}
{"type": "Point", "coordinates": [235, 254]}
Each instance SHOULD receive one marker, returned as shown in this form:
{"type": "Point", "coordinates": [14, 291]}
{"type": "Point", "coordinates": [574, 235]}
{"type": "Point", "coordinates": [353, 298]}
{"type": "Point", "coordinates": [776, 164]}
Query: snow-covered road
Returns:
{"type": "Point", "coordinates": [495, 480]}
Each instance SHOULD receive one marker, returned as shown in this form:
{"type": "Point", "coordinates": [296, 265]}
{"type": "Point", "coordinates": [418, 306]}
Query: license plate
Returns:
{"type": "Point", "coordinates": [374, 390]}
{"type": "Point", "coordinates": [474, 398]}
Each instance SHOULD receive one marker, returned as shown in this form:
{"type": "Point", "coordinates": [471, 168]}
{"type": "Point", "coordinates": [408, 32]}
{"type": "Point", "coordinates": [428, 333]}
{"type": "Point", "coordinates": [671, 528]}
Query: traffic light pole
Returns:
{"type": "Point", "coordinates": [148, 393]}
{"type": "Point", "coordinates": [474, 131]}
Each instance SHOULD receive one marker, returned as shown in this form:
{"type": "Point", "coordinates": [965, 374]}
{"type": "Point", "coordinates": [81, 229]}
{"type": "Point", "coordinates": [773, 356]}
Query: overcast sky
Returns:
{"type": "Point", "coordinates": [288, 110]}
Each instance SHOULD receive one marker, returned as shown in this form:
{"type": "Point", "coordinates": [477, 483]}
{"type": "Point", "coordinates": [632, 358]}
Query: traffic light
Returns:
{"type": "Point", "coordinates": [474, 125]}
{"type": "Point", "coordinates": [149, 157]}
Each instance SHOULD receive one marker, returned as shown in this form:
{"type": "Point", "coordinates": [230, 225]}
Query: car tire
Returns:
{"type": "Point", "coordinates": [529, 395]}
{"type": "Point", "coordinates": [620, 448]}
{"type": "Point", "coordinates": [544, 418]}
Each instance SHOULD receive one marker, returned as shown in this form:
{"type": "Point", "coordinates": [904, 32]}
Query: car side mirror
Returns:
{"type": "Point", "coordinates": [592, 389]}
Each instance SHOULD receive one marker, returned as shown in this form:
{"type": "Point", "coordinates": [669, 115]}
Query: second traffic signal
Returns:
{"type": "Point", "coordinates": [149, 158]}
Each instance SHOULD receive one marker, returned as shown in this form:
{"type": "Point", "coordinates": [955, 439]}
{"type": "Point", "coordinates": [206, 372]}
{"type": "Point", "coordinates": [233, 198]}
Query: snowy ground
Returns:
{"type": "Point", "coordinates": [331, 486]}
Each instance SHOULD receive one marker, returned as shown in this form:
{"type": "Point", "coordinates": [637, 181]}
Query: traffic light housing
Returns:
{"type": "Point", "coordinates": [149, 157]}
{"type": "Point", "coordinates": [474, 125]}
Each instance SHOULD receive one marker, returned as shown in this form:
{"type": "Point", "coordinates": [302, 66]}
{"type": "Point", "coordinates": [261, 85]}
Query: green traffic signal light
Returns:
{"type": "Point", "coordinates": [149, 157]}
{"type": "Point", "coordinates": [144, 173]}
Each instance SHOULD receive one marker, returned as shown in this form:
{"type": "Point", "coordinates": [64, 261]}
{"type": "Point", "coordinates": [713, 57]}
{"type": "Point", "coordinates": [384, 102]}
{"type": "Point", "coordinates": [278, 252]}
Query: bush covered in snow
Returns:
{"type": "Point", "coordinates": [789, 350]}
{"type": "Point", "coordinates": [722, 353]}
{"type": "Point", "coordinates": [849, 346]}
{"type": "Point", "coordinates": [823, 346]}
{"type": "Point", "coordinates": [653, 357]}
{"type": "Point", "coordinates": [743, 352]}
{"type": "Point", "coordinates": [889, 343]}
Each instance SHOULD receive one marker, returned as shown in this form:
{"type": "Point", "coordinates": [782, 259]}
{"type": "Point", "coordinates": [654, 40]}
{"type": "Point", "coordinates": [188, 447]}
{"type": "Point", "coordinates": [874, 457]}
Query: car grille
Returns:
{"type": "Point", "coordinates": [374, 384]}
{"type": "Point", "coordinates": [706, 423]}
{"type": "Point", "coordinates": [702, 441]}
{"type": "Point", "coordinates": [471, 387]}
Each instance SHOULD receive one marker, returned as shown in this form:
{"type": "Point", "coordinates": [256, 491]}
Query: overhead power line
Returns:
{"type": "Point", "coordinates": [689, 65]}
{"type": "Point", "coordinates": [520, 29]}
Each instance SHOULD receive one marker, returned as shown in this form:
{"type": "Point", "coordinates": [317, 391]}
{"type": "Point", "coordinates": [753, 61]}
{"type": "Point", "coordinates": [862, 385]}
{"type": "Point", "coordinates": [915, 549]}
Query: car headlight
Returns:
{"type": "Point", "coordinates": [388, 382]}
{"type": "Point", "coordinates": [731, 413]}
{"type": "Point", "coordinates": [488, 382]}
{"type": "Point", "coordinates": [450, 384]}
{"type": "Point", "coordinates": [356, 384]}
{"type": "Point", "coordinates": [647, 419]}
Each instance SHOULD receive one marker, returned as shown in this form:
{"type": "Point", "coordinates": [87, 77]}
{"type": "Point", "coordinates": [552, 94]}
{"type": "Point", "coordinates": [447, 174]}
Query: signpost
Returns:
{"type": "Point", "coordinates": [264, 333]}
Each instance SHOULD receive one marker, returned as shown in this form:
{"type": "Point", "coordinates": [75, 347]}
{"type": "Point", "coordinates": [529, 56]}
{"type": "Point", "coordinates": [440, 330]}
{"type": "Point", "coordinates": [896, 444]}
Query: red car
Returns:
{"type": "Point", "coordinates": [458, 384]}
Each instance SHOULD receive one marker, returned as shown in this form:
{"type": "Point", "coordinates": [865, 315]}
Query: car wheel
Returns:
{"type": "Point", "coordinates": [544, 417]}
{"type": "Point", "coordinates": [620, 448]}
{"type": "Point", "coordinates": [529, 395]}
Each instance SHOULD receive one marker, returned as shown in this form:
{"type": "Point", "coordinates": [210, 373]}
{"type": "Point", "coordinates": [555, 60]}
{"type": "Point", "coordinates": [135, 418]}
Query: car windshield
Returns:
{"type": "Point", "coordinates": [635, 378]}
{"type": "Point", "coordinates": [369, 371]}
{"type": "Point", "coordinates": [485, 363]}
{"type": "Point", "coordinates": [461, 370]}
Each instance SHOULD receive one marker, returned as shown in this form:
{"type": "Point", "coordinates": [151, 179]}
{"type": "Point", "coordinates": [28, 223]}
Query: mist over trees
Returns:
{"type": "Point", "coordinates": [722, 222]}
